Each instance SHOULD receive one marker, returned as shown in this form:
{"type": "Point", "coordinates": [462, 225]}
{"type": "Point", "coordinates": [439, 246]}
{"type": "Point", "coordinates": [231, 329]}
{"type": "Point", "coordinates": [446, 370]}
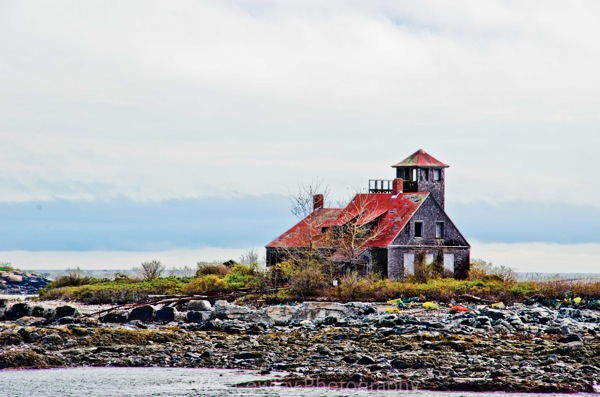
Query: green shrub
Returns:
{"type": "Point", "coordinates": [72, 278]}
{"type": "Point", "coordinates": [203, 284]}
{"type": "Point", "coordinates": [6, 266]}
{"type": "Point", "coordinates": [115, 291]}
{"type": "Point", "coordinates": [204, 269]}
{"type": "Point", "coordinates": [308, 280]}
{"type": "Point", "coordinates": [245, 276]}
{"type": "Point", "coordinates": [482, 270]}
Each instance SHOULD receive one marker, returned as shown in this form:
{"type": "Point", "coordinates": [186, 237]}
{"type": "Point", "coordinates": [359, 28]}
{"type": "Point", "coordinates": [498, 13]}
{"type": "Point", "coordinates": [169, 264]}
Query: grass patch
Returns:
{"type": "Point", "coordinates": [116, 291]}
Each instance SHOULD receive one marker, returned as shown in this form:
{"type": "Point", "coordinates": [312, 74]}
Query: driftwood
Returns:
{"type": "Point", "coordinates": [174, 300]}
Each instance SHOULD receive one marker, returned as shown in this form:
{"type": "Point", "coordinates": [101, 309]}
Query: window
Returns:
{"type": "Point", "coordinates": [449, 263]}
{"type": "Point", "coordinates": [437, 175]}
{"type": "Point", "coordinates": [409, 264]}
{"type": "Point", "coordinates": [425, 173]}
{"type": "Point", "coordinates": [439, 230]}
{"type": "Point", "coordinates": [418, 229]}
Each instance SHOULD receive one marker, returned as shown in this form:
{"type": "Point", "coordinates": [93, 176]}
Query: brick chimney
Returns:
{"type": "Point", "coordinates": [318, 201]}
{"type": "Point", "coordinates": [397, 186]}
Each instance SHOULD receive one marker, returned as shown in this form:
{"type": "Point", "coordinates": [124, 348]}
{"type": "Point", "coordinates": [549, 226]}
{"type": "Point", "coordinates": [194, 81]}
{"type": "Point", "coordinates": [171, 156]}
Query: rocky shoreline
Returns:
{"type": "Point", "coordinates": [525, 348]}
{"type": "Point", "coordinates": [16, 282]}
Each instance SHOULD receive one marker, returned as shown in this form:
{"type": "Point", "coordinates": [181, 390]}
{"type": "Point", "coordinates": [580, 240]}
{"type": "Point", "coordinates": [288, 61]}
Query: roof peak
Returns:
{"type": "Point", "coordinates": [421, 158]}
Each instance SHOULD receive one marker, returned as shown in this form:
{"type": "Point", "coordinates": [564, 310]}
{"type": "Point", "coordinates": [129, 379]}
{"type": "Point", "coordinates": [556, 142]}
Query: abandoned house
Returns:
{"type": "Point", "coordinates": [398, 225]}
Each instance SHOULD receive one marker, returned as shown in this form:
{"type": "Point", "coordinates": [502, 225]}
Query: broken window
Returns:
{"type": "Point", "coordinates": [437, 175]}
{"type": "Point", "coordinates": [418, 229]}
{"type": "Point", "coordinates": [439, 230]}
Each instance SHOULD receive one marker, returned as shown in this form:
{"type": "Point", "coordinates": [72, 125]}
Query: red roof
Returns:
{"type": "Point", "coordinates": [421, 159]}
{"type": "Point", "coordinates": [393, 212]}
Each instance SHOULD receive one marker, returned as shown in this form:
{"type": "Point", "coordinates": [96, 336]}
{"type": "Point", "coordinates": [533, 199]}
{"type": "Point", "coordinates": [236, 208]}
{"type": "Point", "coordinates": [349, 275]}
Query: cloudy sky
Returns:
{"type": "Point", "coordinates": [132, 129]}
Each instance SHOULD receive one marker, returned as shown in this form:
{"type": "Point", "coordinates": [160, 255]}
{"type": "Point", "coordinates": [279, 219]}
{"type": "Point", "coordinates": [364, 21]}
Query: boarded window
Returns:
{"type": "Point", "coordinates": [409, 264]}
{"type": "Point", "coordinates": [449, 262]}
{"type": "Point", "coordinates": [439, 230]}
{"type": "Point", "coordinates": [418, 229]}
{"type": "Point", "coordinates": [437, 175]}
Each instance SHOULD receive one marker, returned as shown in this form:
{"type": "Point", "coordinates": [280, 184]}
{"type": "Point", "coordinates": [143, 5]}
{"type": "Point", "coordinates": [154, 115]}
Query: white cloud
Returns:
{"type": "Point", "coordinates": [154, 100]}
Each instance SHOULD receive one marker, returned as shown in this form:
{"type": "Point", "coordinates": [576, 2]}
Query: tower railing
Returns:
{"type": "Point", "coordinates": [386, 186]}
{"type": "Point", "coordinates": [380, 186]}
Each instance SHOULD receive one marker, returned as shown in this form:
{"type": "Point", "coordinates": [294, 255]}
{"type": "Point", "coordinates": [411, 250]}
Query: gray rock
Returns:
{"type": "Point", "coordinates": [165, 315]}
{"type": "Point", "coordinates": [570, 338]}
{"type": "Point", "coordinates": [247, 356]}
{"type": "Point", "coordinates": [17, 310]}
{"type": "Point", "coordinates": [115, 316]}
{"type": "Point", "coordinates": [199, 305]}
{"type": "Point", "coordinates": [52, 339]}
{"type": "Point", "coordinates": [366, 360]}
{"type": "Point", "coordinates": [41, 311]}
{"type": "Point", "coordinates": [142, 313]}
{"type": "Point", "coordinates": [65, 311]}
{"type": "Point", "coordinates": [193, 316]}
{"type": "Point", "coordinates": [281, 315]}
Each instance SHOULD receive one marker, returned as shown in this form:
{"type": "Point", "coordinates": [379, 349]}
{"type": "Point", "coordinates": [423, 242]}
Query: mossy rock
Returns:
{"type": "Point", "coordinates": [22, 359]}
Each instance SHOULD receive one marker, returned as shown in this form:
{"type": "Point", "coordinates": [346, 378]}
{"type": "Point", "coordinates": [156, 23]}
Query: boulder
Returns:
{"type": "Point", "coordinates": [15, 278]}
{"type": "Point", "coordinates": [52, 339]}
{"type": "Point", "coordinates": [282, 315]}
{"type": "Point", "coordinates": [41, 311]}
{"type": "Point", "coordinates": [65, 311]}
{"type": "Point", "coordinates": [366, 360]}
{"type": "Point", "coordinates": [570, 338]}
{"type": "Point", "coordinates": [227, 311]}
{"type": "Point", "coordinates": [165, 315]}
{"type": "Point", "coordinates": [247, 356]}
{"type": "Point", "coordinates": [142, 313]}
{"type": "Point", "coordinates": [193, 316]}
{"type": "Point", "coordinates": [116, 316]}
{"type": "Point", "coordinates": [17, 310]}
{"type": "Point", "coordinates": [224, 309]}
{"type": "Point", "coordinates": [199, 305]}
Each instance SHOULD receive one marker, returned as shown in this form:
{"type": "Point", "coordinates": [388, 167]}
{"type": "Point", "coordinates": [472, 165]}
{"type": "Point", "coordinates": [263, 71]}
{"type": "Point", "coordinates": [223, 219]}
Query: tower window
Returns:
{"type": "Point", "coordinates": [418, 229]}
{"type": "Point", "coordinates": [439, 230]}
{"type": "Point", "coordinates": [425, 173]}
{"type": "Point", "coordinates": [437, 175]}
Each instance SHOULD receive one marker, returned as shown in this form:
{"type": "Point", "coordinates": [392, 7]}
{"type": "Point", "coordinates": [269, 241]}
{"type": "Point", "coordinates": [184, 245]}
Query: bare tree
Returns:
{"type": "Point", "coordinates": [335, 247]}
{"type": "Point", "coordinates": [360, 230]}
{"type": "Point", "coordinates": [250, 257]}
{"type": "Point", "coordinates": [184, 271]}
{"type": "Point", "coordinates": [301, 201]}
{"type": "Point", "coordinates": [151, 270]}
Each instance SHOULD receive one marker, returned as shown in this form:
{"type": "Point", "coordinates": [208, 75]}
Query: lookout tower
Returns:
{"type": "Point", "coordinates": [422, 172]}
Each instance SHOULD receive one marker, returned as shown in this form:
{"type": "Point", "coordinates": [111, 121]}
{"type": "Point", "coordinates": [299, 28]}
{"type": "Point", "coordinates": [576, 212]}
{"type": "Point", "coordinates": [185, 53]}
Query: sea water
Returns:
{"type": "Point", "coordinates": [166, 382]}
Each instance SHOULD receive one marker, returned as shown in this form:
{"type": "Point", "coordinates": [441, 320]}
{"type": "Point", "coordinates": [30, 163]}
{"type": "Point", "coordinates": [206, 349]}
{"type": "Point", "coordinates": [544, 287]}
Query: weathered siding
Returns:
{"type": "Point", "coordinates": [429, 213]}
{"type": "Point", "coordinates": [428, 246]}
